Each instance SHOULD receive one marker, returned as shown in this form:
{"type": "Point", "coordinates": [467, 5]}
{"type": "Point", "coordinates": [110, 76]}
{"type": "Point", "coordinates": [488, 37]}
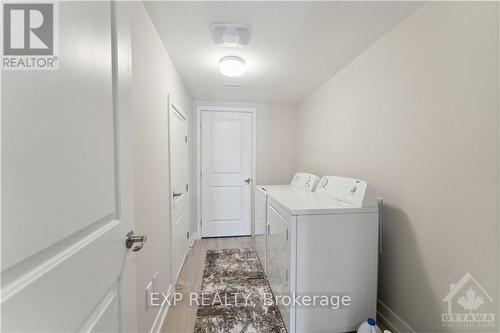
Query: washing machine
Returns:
{"type": "Point", "coordinates": [324, 243]}
{"type": "Point", "coordinates": [301, 181]}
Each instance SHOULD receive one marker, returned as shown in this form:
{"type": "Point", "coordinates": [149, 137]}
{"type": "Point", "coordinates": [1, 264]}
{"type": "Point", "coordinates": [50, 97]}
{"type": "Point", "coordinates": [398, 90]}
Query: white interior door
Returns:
{"type": "Point", "coordinates": [66, 205]}
{"type": "Point", "coordinates": [226, 164]}
{"type": "Point", "coordinates": [179, 188]}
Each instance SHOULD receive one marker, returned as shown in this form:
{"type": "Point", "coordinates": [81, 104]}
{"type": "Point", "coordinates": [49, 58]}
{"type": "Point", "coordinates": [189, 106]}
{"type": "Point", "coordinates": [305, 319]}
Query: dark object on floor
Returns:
{"type": "Point", "coordinates": [236, 295]}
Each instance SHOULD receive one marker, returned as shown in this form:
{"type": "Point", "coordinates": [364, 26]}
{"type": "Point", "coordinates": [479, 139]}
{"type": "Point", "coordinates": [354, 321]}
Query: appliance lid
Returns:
{"type": "Point", "coordinates": [311, 203]}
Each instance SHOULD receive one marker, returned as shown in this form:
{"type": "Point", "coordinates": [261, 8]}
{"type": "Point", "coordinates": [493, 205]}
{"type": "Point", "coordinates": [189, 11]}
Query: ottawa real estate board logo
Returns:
{"type": "Point", "coordinates": [469, 305]}
{"type": "Point", "coordinates": [30, 39]}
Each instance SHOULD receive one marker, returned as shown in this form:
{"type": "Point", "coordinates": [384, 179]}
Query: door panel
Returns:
{"type": "Point", "coordinates": [59, 280]}
{"type": "Point", "coordinates": [226, 145]}
{"type": "Point", "coordinates": [179, 181]}
{"type": "Point", "coordinates": [226, 164]}
{"type": "Point", "coordinates": [227, 208]}
{"type": "Point", "coordinates": [58, 150]}
{"type": "Point", "coordinates": [106, 314]}
{"type": "Point", "coordinates": [63, 250]}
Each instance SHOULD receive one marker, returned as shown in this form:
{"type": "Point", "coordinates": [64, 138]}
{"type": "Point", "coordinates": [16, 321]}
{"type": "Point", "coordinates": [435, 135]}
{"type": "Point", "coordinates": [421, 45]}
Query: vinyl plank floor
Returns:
{"type": "Point", "coordinates": [181, 317]}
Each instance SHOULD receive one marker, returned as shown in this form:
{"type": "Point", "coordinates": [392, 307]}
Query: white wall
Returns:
{"type": "Point", "coordinates": [153, 78]}
{"type": "Point", "coordinates": [276, 143]}
{"type": "Point", "coordinates": [417, 116]}
{"type": "Point", "coordinates": [276, 140]}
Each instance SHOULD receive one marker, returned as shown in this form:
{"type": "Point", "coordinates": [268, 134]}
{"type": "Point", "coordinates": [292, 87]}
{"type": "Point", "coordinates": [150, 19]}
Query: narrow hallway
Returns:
{"type": "Point", "coordinates": [182, 316]}
{"type": "Point", "coordinates": [168, 165]}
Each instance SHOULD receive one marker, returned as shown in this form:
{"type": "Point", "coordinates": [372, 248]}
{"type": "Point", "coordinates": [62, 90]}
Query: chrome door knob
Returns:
{"type": "Point", "coordinates": [175, 194]}
{"type": "Point", "coordinates": [131, 239]}
{"type": "Point", "coordinates": [248, 180]}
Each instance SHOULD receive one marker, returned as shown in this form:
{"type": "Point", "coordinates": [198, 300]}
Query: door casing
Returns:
{"type": "Point", "coordinates": [176, 270]}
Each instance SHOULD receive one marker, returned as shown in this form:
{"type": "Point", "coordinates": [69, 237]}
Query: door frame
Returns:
{"type": "Point", "coordinates": [175, 272]}
{"type": "Point", "coordinates": [199, 110]}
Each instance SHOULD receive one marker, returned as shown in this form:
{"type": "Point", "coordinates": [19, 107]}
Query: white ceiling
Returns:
{"type": "Point", "coordinates": [294, 47]}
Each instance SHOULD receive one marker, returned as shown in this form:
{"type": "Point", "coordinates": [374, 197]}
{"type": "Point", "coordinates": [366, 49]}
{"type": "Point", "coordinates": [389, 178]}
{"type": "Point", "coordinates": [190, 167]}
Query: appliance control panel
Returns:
{"type": "Point", "coordinates": [353, 191]}
{"type": "Point", "coordinates": [305, 181]}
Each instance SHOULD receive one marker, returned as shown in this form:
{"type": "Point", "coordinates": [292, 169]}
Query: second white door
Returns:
{"type": "Point", "coordinates": [179, 188]}
{"type": "Point", "coordinates": [226, 164]}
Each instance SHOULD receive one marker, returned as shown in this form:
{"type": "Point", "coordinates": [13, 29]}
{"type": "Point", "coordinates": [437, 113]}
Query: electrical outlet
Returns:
{"type": "Point", "coordinates": [149, 290]}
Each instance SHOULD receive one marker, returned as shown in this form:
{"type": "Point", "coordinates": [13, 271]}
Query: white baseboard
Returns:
{"type": "Point", "coordinates": [393, 322]}
{"type": "Point", "coordinates": [194, 237]}
{"type": "Point", "coordinates": [162, 313]}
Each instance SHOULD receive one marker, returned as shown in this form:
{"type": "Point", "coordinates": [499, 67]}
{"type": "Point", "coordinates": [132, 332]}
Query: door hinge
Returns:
{"type": "Point", "coordinates": [186, 138]}
{"type": "Point", "coordinates": [187, 235]}
{"type": "Point", "coordinates": [187, 187]}
{"type": "Point", "coordinates": [268, 230]}
{"type": "Point", "coordinates": [286, 277]}
{"type": "Point", "coordinates": [286, 234]}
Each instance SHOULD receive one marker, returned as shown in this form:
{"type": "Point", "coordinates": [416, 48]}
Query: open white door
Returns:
{"type": "Point", "coordinates": [179, 188]}
{"type": "Point", "coordinates": [66, 183]}
{"type": "Point", "coordinates": [226, 164]}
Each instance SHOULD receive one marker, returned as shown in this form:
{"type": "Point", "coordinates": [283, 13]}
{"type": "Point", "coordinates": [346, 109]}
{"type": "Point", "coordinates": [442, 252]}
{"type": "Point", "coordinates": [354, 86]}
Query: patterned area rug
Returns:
{"type": "Point", "coordinates": [235, 295]}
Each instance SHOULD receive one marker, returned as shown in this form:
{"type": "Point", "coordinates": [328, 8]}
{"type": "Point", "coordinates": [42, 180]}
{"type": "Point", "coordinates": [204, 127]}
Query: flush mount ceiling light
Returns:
{"type": "Point", "coordinates": [232, 66]}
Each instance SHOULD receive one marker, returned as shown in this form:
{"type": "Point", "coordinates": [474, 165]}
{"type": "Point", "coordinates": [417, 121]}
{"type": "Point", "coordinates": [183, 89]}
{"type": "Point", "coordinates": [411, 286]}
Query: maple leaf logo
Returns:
{"type": "Point", "coordinates": [470, 301]}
